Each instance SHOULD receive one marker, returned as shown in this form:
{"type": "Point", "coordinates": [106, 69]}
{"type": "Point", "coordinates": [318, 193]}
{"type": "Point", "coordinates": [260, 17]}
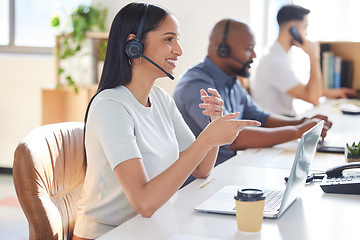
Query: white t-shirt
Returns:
{"type": "Point", "coordinates": [120, 128]}
{"type": "Point", "coordinates": [273, 78]}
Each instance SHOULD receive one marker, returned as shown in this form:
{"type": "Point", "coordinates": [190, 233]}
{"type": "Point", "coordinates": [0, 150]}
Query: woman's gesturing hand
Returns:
{"type": "Point", "coordinates": [213, 104]}
{"type": "Point", "coordinates": [225, 129]}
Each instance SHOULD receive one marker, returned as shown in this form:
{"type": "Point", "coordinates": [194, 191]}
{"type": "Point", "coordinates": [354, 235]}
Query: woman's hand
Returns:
{"type": "Point", "coordinates": [225, 129]}
{"type": "Point", "coordinates": [213, 104]}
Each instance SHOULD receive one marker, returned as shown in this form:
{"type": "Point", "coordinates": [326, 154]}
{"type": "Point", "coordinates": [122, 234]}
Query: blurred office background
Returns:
{"type": "Point", "coordinates": [27, 63]}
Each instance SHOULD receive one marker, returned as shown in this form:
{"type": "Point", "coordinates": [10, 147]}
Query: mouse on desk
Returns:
{"type": "Point", "coordinates": [348, 108]}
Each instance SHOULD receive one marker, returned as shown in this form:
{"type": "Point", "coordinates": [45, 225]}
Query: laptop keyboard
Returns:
{"type": "Point", "coordinates": [273, 199]}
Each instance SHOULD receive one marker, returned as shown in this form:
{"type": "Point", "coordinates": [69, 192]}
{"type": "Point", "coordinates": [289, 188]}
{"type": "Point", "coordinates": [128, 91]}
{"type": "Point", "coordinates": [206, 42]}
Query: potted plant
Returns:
{"type": "Point", "coordinates": [352, 152]}
{"type": "Point", "coordinates": [72, 45]}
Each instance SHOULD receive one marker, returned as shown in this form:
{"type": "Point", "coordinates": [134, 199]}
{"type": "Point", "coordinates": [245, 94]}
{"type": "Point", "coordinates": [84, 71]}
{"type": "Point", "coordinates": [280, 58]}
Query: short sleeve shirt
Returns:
{"type": "Point", "coordinates": [273, 78]}
{"type": "Point", "coordinates": [119, 128]}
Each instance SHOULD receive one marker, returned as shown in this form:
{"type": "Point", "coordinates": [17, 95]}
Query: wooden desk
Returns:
{"type": "Point", "coordinates": [316, 215]}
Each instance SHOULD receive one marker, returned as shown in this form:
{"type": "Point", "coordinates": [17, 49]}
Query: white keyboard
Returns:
{"type": "Point", "coordinates": [273, 199]}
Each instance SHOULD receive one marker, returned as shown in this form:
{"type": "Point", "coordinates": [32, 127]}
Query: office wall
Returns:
{"type": "Point", "coordinates": [196, 19]}
{"type": "Point", "coordinates": [23, 76]}
{"type": "Point", "coordinates": [21, 79]}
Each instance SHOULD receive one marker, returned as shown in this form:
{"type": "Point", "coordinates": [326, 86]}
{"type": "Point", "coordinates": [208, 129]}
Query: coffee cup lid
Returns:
{"type": "Point", "coordinates": [249, 194]}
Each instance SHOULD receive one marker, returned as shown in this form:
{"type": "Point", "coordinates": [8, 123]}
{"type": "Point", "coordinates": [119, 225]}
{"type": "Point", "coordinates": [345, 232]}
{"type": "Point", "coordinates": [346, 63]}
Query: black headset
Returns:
{"type": "Point", "coordinates": [224, 49]}
{"type": "Point", "coordinates": [134, 47]}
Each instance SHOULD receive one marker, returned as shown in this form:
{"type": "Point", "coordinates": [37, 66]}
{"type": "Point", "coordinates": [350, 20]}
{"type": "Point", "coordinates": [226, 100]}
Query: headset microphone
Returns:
{"type": "Point", "coordinates": [135, 49]}
{"type": "Point", "coordinates": [156, 65]}
{"type": "Point", "coordinates": [224, 50]}
{"type": "Point", "coordinates": [242, 62]}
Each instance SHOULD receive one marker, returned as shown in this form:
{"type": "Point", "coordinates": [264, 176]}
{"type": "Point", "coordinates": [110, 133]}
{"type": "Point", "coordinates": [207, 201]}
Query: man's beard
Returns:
{"type": "Point", "coordinates": [243, 72]}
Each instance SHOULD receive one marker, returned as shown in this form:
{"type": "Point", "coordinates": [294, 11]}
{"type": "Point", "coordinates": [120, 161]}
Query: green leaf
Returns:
{"type": "Point", "coordinates": [55, 22]}
{"type": "Point", "coordinates": [61, 70]}
{"type": "Point", "coordinates": [354, 148]}
{"type": "Point", "coordinates": [83, 19]}
{"type": "Point", "coordinates": [70, 80]}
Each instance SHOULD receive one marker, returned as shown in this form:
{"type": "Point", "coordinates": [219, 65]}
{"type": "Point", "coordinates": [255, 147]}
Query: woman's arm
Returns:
{"type": "Point", "coordinates": [147, 196]}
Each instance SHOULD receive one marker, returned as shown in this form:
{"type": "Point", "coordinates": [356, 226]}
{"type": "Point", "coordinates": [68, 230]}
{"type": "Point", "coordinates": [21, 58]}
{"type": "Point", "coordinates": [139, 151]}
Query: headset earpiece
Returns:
{"type": "Point", "coordinates": [133, 48]}
{"type": "Point", "coordinates": [224, 50]}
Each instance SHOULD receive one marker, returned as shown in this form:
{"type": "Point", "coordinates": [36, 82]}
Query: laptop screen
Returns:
{"type": "Point", "coordinates": [301, 166]}
{"type": "Point", "coordinates": [223, 200]}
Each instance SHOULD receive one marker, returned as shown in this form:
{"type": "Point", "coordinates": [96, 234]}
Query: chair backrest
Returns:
{"type": "Point", "coordinates": [48, 172]}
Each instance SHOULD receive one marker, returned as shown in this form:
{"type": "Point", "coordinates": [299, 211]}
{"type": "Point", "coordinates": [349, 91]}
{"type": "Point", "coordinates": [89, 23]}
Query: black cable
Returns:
{"type": "Point", "coordinates": [311, 177]}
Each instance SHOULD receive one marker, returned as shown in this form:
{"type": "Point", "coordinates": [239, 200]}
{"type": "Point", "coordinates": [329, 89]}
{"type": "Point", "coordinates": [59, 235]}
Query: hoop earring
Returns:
{"type": "Point", "coordinates": [131, 64]}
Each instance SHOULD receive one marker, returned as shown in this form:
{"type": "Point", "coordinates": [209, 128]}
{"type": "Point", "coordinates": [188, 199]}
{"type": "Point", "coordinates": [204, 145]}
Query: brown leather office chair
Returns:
{"type": "Point", "coordinates": [49, 172]}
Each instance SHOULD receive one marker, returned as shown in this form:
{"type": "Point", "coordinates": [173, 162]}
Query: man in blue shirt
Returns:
{"type": "Point", "coordinates": [230, 54]}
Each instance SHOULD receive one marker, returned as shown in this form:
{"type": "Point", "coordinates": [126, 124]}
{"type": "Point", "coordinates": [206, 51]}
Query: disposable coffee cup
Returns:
{"type": "Point", "coordinates": [249, 209]}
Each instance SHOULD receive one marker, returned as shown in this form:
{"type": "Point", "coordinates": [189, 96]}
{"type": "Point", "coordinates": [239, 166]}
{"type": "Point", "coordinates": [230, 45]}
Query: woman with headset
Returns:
{"type": "Point", "coordinates": [138, 148]}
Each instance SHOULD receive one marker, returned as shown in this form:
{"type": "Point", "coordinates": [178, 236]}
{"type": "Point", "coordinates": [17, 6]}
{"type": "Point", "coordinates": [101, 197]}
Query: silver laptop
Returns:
{"type": "Point", "coordinates": [277, 200]}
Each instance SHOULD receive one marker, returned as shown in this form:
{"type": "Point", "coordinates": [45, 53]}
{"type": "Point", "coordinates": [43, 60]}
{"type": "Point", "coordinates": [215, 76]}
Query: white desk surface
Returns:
{"type": "Point", "coordinates": [316, 215]}
{"type": "Point", "coordinates": [346, 128]}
